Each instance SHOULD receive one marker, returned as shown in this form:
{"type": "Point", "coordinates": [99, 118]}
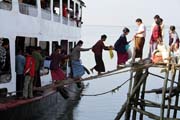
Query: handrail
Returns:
{"type": "Point", "coordinates": [56, 17]}
{"type": "Point", "coordinates": [65, 20]}
{"type": "Point", "coordinates": [46, 14]}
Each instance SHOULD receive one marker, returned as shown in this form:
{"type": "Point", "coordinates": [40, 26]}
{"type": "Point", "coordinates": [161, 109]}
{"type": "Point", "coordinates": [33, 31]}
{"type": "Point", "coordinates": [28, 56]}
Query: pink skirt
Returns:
{"type": "Point", "coordinates": [122, 58]}
{"type": "Point", "coordinates": [57, 74]}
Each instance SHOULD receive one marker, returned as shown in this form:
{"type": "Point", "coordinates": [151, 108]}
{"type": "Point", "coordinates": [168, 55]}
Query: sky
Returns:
{"type": "Point", "coordinates": [125, 12]}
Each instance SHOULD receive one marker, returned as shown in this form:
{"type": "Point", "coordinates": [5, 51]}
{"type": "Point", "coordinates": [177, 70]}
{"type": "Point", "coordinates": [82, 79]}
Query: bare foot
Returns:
{"type": "Point", "coordinates": [99, 73]}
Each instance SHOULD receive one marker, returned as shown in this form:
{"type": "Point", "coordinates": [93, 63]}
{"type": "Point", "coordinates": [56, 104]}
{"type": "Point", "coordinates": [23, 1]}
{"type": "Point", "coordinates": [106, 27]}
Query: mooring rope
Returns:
{"type": "Point", "coordinates": [109, 91]}
{"type": "Point", "coordinates": [161, 77]}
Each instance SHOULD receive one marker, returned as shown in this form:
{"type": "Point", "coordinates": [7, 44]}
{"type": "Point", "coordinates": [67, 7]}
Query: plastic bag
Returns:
{"type": "Point", "coordinates": [111, 53]}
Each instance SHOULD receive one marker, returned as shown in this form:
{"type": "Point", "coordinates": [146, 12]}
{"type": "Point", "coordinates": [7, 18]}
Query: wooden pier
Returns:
{"type": "Point", "coordinates": [136, 102]}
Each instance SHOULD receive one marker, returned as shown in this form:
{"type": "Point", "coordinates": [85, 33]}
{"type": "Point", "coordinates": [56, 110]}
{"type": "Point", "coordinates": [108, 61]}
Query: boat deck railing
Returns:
{"type": "Point", "coordinates": [46, 14]}
{"type": "Point", "coordinates": [28, 9]}
{"type": "Point", "coordinates": [56, 17]}
{"type": "Point", "coordinates": [5, 5]}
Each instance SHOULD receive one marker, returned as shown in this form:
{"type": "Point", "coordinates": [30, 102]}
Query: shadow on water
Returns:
{"type": "Point", "coordinates": [58, 111]}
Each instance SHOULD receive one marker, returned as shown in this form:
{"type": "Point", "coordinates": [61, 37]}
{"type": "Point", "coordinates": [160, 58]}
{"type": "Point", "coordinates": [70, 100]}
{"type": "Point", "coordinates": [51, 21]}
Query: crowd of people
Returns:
{"type": "Point", "coordinates": [28, 66]}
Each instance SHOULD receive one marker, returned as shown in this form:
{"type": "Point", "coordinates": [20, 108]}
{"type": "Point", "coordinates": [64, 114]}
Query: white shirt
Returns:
{"type": "Point", "coordinates": [141, 28]}
{"type": "Point", "coordinates": [174, 36]}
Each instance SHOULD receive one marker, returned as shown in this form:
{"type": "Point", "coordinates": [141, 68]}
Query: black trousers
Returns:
{"type": "Point", "coordinates": [19, 84]}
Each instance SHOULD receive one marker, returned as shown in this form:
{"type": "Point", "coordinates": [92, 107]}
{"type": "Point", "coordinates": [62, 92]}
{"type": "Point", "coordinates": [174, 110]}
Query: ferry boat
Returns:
{"type": "Point", "coordinates": [44, 23]}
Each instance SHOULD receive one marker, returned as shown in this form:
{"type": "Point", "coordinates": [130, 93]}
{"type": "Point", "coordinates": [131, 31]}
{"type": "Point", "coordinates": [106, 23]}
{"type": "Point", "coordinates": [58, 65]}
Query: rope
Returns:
{"type": "Point", "coordinates": [109, 91]}
{"type": "Point", "coordinates": [160, 77]}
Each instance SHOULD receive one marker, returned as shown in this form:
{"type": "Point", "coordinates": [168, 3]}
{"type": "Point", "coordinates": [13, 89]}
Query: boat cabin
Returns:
{"type": "Point", "coordinates": [44, 23]}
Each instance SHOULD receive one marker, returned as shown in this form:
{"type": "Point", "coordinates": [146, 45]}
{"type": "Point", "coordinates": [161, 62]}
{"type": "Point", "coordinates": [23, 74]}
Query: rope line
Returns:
{"type": "Point", "coordinates": [161, 77]}
{"type": "Point", "coordinates": [109, 91]}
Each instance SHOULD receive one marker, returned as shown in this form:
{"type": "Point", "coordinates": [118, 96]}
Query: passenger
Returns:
{"type": "Point", "coordinates": [176, 53]}
{"type": "Point", "coordinates": [39, 60]}
{"type": "Point", "coordinates": [156, 37]}
{"type": "Point", "coordinates": [29, 72]}
{"type": "Point", "coordinates": [57, 57]}
{"type": "Point", "coordinates": [77, 19]}
{"type": "Point", "coordinates": [156, 17]}
{"type": "Point", "coordinates": [121, 48]}
{"type": "Point", "coordinates": [65, 10]}
{"type": "Point", "coordinates": [173, 36]}
{"type": "Point", "coordinates": [20, 63]}
{"type": "Point", "coordinates": [77, 68]}
{"type": "Point", "coordinates": [139, 38]}
{"type": "Point", "coordinates": [162, 27]}
{"type": "Point", "coordinates": [3, 53]}
{"type": "Point", "coordinates": [98, 49]}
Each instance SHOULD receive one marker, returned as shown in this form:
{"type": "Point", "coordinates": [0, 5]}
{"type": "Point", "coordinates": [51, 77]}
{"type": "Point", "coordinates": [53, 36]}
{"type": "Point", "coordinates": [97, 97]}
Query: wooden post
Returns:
{"type": "Point", "coordinates": [123, 109]}
{"type": "Point", "coordinates": [128, 109]}
{"type": "Point", "coordinates": [164, 92]}
{"type": "Point", "coordinates": [177, 97]}
{"type": "Point", "coordinates": [135, 100]}
{"type": "Point", "coordinates": [142, 98]}
{"type": "Point", "coordinates": [173, 72]}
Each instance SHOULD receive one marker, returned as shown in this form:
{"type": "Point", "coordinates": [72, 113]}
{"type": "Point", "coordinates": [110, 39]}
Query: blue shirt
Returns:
{"type": "Point", "coordinates": [20, 62]}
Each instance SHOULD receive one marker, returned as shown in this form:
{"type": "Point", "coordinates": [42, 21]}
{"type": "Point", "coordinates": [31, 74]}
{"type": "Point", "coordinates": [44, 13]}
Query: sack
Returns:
{"type": "Point", "coordinates": [127, 47]}
{"type": "Point", "coordinates": [157, 56]}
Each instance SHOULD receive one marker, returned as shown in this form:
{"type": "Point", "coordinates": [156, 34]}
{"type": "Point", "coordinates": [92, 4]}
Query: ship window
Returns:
{"type": "Point", "coordinates": [70, 46]}
{"type": "Point", "coordinates": [45, 53]}
{"type": "Point", "coordinates": [71, 9]}
{"type": "Point", "coordinates": [5, 62]}
{"type": "Point", "coordinates": [72, 19]}
{"type": "Point", "coordinates": [56, 10]}
{"type": "Point", "coordinates": [28, 7]}
{"type": "Point", "coordinates": [54, 45]}
{"type": "Point", "coordinates": [6, 4]}
{"type": "Point", "coordinates": [46, 9]}
{"type": "Point", "coordinates": [77, 16]}
{"type": "Point", "coordinates": [64, 12]}
{"type": "Point", "coordinates": [24, 42]}
{"type": "Point", "coordinates": [64, 46]}
{"type": "Point", "coordinates": [45, 47]}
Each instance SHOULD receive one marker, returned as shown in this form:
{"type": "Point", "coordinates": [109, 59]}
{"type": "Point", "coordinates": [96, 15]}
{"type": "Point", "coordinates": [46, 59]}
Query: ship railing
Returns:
{"type": "Point", "coordinates": [46, 14]}
{"type": "Point", "coordinates": [65, 20]}
{"type": "Point", "coordinates": [28, 9]}
{"type": "Point", "coordinates": [5, 5]}
{"type": "Point", "coordinates": [72, 22]}
{"type": "Point", "coordinates": [56, 17]}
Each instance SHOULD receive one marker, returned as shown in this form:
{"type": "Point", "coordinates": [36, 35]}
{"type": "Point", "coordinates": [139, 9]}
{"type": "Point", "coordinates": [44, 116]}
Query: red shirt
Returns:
{"type": "Point", "coordinates": [65, 13]}
{"type": "Point", "coordinates": [156, 33]}
{"type": "Point", "coordinates": [30, 66]}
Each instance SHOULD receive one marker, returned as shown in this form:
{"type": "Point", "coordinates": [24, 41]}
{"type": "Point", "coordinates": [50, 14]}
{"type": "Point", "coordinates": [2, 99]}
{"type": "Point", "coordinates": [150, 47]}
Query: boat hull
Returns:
{"type": "Point", "coordinates": [36, 107]}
